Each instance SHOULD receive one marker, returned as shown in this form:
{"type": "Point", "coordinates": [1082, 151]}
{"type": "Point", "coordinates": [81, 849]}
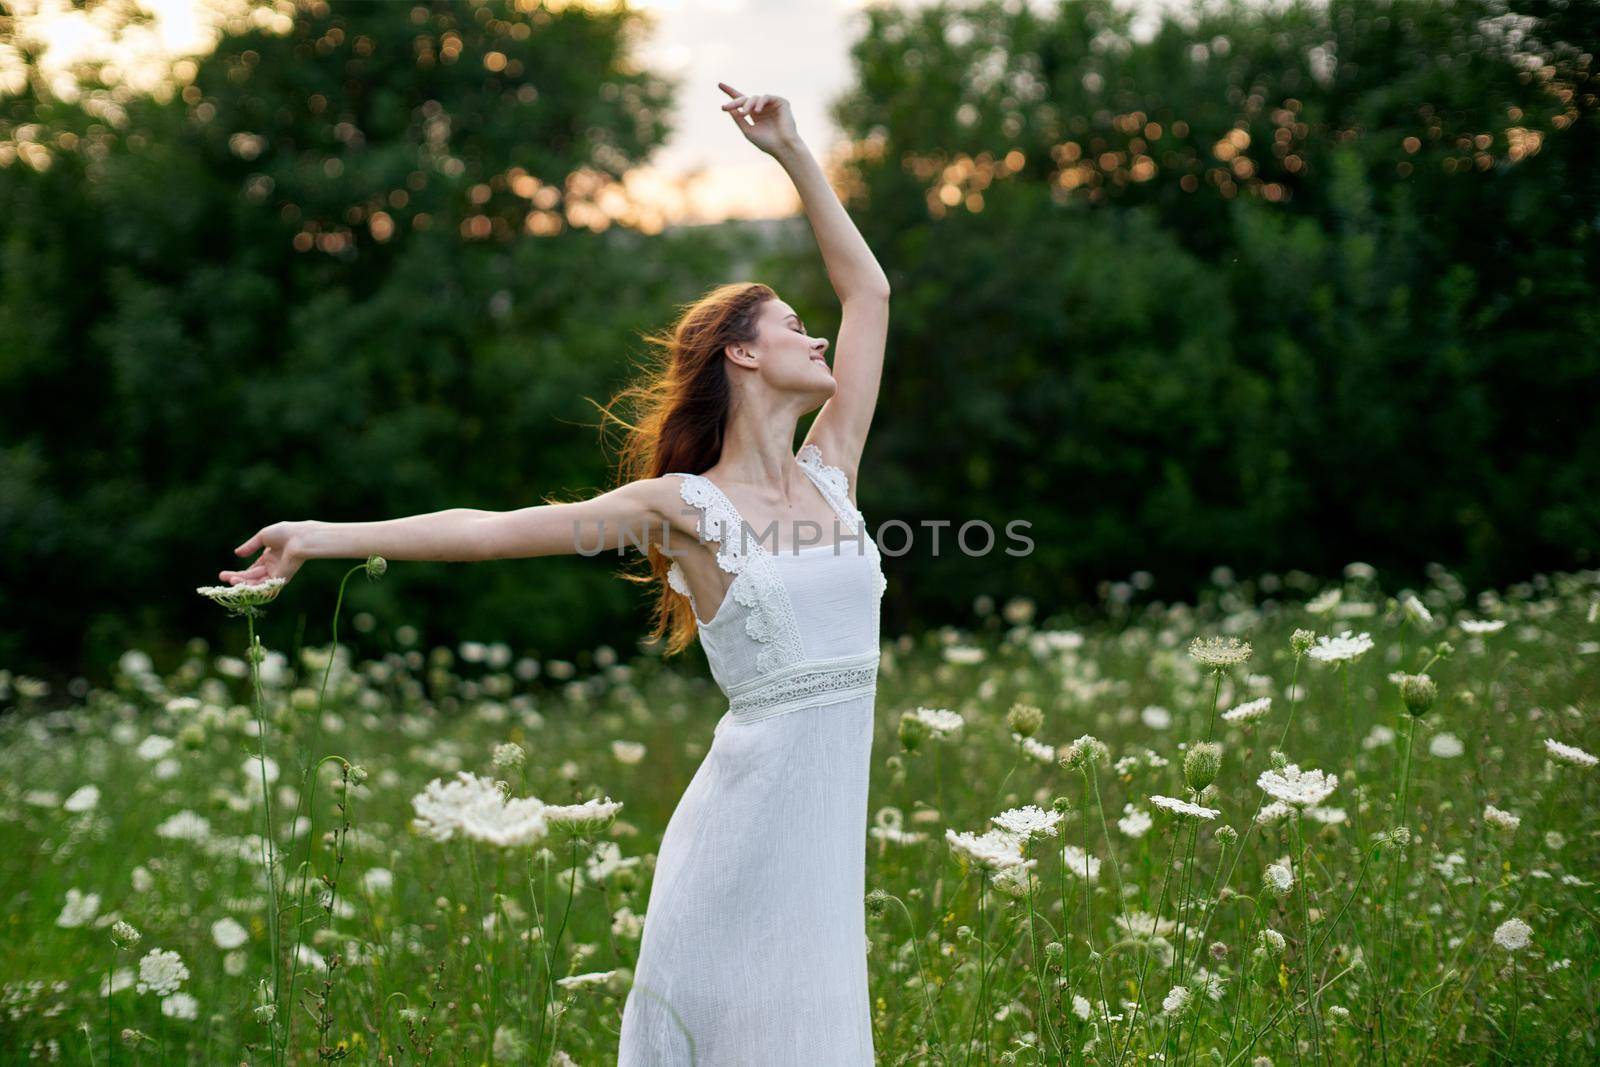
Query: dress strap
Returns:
{"type": "Point", "coordinates": [831, 482]}
{"type": "Point", "coordinates": [720, 521]}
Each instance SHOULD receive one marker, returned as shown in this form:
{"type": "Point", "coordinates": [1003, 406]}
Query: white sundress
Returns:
{"type": "Point", "coordinates": [754, 949]}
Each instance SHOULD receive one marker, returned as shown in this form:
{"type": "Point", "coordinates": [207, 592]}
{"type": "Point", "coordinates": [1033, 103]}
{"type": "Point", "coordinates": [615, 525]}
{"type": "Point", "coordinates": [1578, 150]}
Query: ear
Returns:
{"type": "Point", "coordinates": [741, 355]}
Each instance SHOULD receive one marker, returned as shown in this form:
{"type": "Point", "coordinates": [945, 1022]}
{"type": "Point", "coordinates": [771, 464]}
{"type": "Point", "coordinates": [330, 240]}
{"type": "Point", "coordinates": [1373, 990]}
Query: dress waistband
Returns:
{"type": "Point", "coordinates": [801, 684]}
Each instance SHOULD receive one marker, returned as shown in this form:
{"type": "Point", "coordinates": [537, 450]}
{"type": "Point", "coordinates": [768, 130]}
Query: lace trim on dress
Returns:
{"type": "Point", "coordinates": [835, 487]}
{"type": "Point", "coordinates": [799, 686]}
{"type": "Point", "coordinates": [770, 620]}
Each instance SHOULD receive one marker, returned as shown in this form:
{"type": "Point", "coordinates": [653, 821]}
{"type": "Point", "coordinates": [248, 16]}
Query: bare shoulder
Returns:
{"type": "Point", "coordinates": [663, 497]}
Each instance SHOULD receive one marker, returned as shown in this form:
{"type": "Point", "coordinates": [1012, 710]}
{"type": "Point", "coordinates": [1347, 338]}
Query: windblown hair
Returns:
{"type": "Point", "coordinates": [678, 414]}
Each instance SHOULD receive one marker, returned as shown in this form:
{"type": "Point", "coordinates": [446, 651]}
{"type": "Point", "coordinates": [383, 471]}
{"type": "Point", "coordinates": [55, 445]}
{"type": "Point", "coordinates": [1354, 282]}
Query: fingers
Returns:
{"type": "Point", "coordinates": [249, 546]}
{"type": "Point", "coordinates": [730, 90]}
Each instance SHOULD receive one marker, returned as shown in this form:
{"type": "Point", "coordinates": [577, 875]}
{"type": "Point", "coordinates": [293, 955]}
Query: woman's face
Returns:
{"type": "Point", "coordinates": [787, 357]}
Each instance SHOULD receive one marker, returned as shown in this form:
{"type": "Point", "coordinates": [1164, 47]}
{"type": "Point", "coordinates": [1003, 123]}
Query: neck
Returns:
{"type": "Point", "coordinates": [758, 448]}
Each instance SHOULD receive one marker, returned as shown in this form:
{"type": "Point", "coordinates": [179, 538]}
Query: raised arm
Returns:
{"type": "Point", "coordinates": [627, 515]}
{"type": "Point", "coordinates": [840, 428]}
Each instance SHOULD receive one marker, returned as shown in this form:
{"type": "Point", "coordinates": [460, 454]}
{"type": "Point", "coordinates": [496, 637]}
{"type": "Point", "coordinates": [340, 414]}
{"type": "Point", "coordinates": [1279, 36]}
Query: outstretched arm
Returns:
{"type": "Point", "coordinates": [840, 428]}
{"type": "Point", "coordinates": [630, 514]}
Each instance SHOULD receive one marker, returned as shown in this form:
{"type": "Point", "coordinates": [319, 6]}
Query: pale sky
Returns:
{"type": "Point", "coordinates": [797, 49]}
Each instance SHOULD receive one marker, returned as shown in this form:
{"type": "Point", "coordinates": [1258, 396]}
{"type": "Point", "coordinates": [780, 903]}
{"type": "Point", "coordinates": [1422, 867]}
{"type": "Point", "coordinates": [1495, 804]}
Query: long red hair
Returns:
{"type": "Point", "coordinates": [678, 413]}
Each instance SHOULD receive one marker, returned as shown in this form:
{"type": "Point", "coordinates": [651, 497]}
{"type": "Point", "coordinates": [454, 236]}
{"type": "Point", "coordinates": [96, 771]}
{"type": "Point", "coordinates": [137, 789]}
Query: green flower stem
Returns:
{"type": "Point", "coordinates": [266, 802]}
{"type": "Point", "coordinates": [1305, 911]}
{"type": "Point", "coordinates": [1227, 879]}
{"type": "Point", "coordinates": [1144, 962]}
{"type": "Point", "coordinates": [1038, 976]}
{"type": "Point", "coordinates": [308, 794]}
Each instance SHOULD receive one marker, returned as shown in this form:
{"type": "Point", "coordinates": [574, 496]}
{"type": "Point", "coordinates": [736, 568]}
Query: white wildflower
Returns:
{"type": "Point", "coordinates": [1249, 710]}
{"type": "Point", "coordinates": [1569, 753]}
{"type": "Point", "coordinates": [228, 933]}
{"type": "Point", "coordinates": [993, 848]}
{"type": "Point", "coordinates": [1080, 863]}
{"type": "Point", "coordinates": [180, 1006]}
{"type": "Point", "coordinates": [1342, 648]}
{"type": "Point", "coordinates": [1513, 935]}
{"type": "Point", "coordinates": [941, 722]}
{"type": "Point", "coordinates": [1135, 822]}
{"type": "Point", "coordinates": [1028, 821]}
{"type": "Point", "coordinates": [161, 971]}
{"type": "Point", "coordinates": [1183, 808]}
{"type": "Point", "coordinates": [1294, 786]}
{"type": "Point", "coordinates": [83, 799]}
{"type": "Point", "coordinates": [79, 910]}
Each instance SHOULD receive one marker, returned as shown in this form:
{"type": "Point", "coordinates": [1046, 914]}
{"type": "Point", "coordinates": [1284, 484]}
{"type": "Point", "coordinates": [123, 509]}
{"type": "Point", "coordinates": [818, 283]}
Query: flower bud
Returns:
{"type": "Point", "coordinates": [123, 935]}
{"type": "Point", "coordinates": [1201, 763]}
{"type": "Point", "coordinates": [1300, 641]}
{"type": "Point", "coordinates": [376, 566]}
{"type": "Point", "coordinates": [1025, 719]}
{"type": "Point", "coordinates": [1084, 753]}
{"type": "Point", "coordinates": [1277, 880]}
{"type": "Point", "coordinates": [877, 902]}
{"type": "Point", "coordinates": [1418, 692]}
{"type": "Point", "coordinates": [913, 731]}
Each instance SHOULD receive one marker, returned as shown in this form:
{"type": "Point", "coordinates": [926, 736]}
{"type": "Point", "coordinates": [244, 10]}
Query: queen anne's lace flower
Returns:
{"type": "Point", "coordinates": [79, 910]}
{"type": "Point", "coordinates": [1085, 752]}
{"type": "Point", "coordinates": [1219, 652]}
{"type": "Point", "coordinates": [1299, 788]}
{"type": "Point", "coordinates": [1415, 609]}
{"type": "Point", "coordinates": [1143, 924]}
{"type": "Point", "coordinates": [1500, 820]}
{"type": "Point", "coordinates": [994, 848]}
{"type": "Point", "coordinates": [888, 826]}
{"type": "Point", "coordinates": [581, 981]}
{"type": "Point", "coordinates": [589, 816]}
{"type": "Point", "coordinates": [1183, 808]}
{"type": "Point", "coordinates": [942, 722]}
{"type": "Point", "coordinates": [1513, 935]}
{"type": "Point", "coordinates": [228, 933]}
{"type": "Point", "coordinates": [1135, 822]}
{"type": "Point", "coordinates": [1482, 626]}
{"type": "Point", "coordinates": [180, 1006]}
{"type": "Point", "coordinates": [161, 971]}
{"type": "Point", "coordinates": [1569, 753]}
{"type": "Point", "coordinates": [474, 807]}
{"type": "Point", "coordinates": [1080, 863]}
{"type": "Point", "coordinates": [1252, 709]}
{"type": "Point", "coordinates": [246, 598]}
{"type": "Point", "coordinates": [1342, 648]}
{"type": "Point", "coordinates": [184, 826]}
{"type": "Point", "coordinates": [1028, 821]}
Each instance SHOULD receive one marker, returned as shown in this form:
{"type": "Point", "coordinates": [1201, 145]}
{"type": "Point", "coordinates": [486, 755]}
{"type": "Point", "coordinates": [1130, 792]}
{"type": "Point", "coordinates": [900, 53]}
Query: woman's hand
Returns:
{"type": "Point", "coordinates": [280, 557]}
{"type": "Point", "coordinates": [772, 125]}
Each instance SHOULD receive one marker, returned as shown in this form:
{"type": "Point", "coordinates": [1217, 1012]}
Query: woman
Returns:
{"type": "Point", "coordinates": [754, 943]}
